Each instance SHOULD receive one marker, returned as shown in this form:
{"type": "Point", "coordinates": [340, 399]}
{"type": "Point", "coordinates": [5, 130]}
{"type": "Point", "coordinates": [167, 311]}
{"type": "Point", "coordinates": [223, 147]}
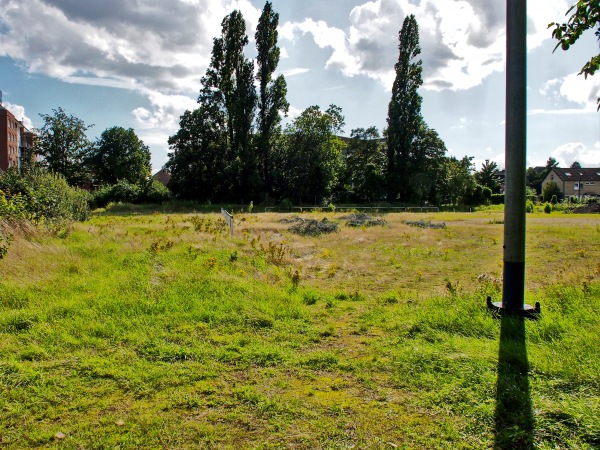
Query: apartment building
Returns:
{"type": "Point", "coordinates": [16, 141]}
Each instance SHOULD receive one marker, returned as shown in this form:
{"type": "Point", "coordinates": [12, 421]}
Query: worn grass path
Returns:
{"type": "Point", "coordinates": [158, 330]}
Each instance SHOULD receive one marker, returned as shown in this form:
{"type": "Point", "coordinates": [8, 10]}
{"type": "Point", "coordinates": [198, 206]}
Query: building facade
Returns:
{"type": "Point", "coordinates": [16, 141]}
{"type": "Point", "coordinates": [575, 182]}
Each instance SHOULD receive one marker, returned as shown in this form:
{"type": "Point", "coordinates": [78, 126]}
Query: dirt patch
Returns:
{"type": "Point", "coordinates": [588, 209]}
{"type": "Point", "coordinates": [289, 220]}
{"type": "Point", "coordinates": [312, 227]}
{"type": "Point", "coordinates": [363, 220]}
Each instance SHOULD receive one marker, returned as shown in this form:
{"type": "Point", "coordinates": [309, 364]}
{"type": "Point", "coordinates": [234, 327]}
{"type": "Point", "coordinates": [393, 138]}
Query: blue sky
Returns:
{"type": "Point", "coordinates": [138, 64]}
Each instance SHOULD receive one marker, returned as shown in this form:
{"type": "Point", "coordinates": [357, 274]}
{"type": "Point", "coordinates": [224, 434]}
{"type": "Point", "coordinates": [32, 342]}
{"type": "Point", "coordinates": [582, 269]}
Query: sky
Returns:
{"type": "Point", "coordinates": [138, 64]}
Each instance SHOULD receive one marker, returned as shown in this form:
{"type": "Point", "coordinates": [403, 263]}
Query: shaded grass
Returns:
{"type": "Point", "coordinates": [126, 340]}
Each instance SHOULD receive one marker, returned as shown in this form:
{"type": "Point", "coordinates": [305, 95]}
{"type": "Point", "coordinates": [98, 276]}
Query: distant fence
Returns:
{"type": "Point", "coordinates": [366, 208]}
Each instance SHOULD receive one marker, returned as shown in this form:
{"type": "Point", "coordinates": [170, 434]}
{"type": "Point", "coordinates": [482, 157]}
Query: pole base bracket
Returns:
{"type": "Point", "coordinates": [528, 311]}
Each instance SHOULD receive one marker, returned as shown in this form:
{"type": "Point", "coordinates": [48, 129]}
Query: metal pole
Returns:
{"type": "Point", "coordinates": [513, 292]}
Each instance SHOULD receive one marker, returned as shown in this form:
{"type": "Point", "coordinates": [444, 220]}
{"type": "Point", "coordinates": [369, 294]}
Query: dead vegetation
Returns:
{"type": "Point", "coordinates": [312, 227]}
{"type": "Point", "coordinates": [362, 220]}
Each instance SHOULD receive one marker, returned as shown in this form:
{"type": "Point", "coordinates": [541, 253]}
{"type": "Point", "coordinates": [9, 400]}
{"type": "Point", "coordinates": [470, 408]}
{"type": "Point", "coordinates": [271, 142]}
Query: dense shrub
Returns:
{"type": "Point", "coordinates": [529, 207]}
{"type": "Point", "coordinates": [42, 196]}
{"type": "Point", "coordinates": [155, 192]}
{"type": "Point", "coordinates": [497, 199]}
{"type": "Point", "coordinates": [547, 208]}
{"type": "Point", "coordinates": [125, 192]}
{"type": "Point", "coordinates": [551, 189]}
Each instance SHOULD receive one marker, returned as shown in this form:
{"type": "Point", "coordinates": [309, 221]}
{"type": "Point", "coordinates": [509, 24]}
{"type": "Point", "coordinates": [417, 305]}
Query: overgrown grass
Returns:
{"type": "Point", "coordinates": [154, 330]}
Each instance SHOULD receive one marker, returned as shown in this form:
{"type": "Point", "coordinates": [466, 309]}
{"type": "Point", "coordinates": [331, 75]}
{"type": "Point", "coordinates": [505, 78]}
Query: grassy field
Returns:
{"type": "Point", "coordinates": [141, 329]}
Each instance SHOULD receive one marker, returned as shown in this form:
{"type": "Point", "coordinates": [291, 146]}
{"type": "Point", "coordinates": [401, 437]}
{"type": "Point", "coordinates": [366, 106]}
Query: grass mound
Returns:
{"type": "Point", "coordinates": [312, 227]}
{"type": "Point", "coordinates": [363, 220]}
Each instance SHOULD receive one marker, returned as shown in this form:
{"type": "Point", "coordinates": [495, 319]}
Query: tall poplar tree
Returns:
{"type": "Point", "coordinates": [272, 95]}
{"type": "Point", "coordinates": [212, 152]}
{"type": "Point", "coordinates": [404, 112]}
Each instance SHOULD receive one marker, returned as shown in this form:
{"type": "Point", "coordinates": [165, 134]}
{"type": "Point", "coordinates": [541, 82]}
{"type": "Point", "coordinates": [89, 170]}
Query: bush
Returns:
{"type": "Point", "coordinates": [529, 206]}
{"type": "Point", "coordinates": [44, 196]}
{"type": "Point", "coordinates": [550, 189]}
{"type": "Point", "coordinates": [125, 192]}
{"type": "Point", "coordinates": [155, 192]}
{"type": "Point", "coordinates": [547, 208]}
{"type": "Point", "coordinates": [497, 199]}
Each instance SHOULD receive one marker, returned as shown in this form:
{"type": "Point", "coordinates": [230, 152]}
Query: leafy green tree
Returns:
{"type": "Point", "coordinates": [272, 92]}
{"type": "Point", "coordinates": [425, 160]}
{"type": "Point", "coordinates": [212, 155]}
{"type": "Point", "coordinates": [310, 165]}
{"type": "Point", "coordinates": [404, 112]}
{"type": "Point", "coordinates": [236, 83]}
{"type": "Point", "coordinates": [550, 189]}
{"type": "Point", "coordinates": [585, 15]}
{"type": "Point", "coordinates": [365, 164]}
{"type": "Point", "coordinates": [119, 155]}
{"type": "Point", "coordinates": [63, 145]}
{"type": "Point", "coordinates": [197, 160]}
{"type": "Point", "coordinates": [576, 165]}
{"type": "Point", "coordinates": [456, 184]}
{"type": "Point", "coordinates": [487, 176]}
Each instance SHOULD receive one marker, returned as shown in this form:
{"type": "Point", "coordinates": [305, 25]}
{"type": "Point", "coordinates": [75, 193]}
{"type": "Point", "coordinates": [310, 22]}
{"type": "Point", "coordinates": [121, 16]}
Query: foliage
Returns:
{"type": "Point", "coordinates": [365, 165]}
{"type": "Point", "coordinates": [119, 155]}
{"type": "Point", "coordinates": [272, 93]}
{"type": "Point", "coordinates": [529, 206]}
{"type": "Point", "coordinates": [548, 208]}
{"type": "Point", "coordinates": [63, 144]}
{"type": "Point", "coordinates": [404, 111]}
{"type": "Point", "coordinates": [550, 189]}
{"type": "Point", "coordinates": [196, 161]}
{"type": "Point", "coordinates": [12, 207]}
{"type": "Point", "coordinates": [44, 196]}
{"type": "Point", "coordinates": [585, 15]}
{"type": "Point", "coordinates": [487, 176]}
{"type": "Point", "coordinates": [455, 183]}
{"type": "Point", "coordinates": [310, 162]}
{"type": "Point", "coordinates": [213, 155]}
{"type": "Point", "coordinates": [497, 199]}
{"type": "Point", "coordinates": [151, 191]}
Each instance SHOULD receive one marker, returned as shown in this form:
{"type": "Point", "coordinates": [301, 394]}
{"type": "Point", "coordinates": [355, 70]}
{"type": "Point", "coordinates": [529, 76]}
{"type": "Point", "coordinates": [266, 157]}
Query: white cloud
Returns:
{"type": "Point", "coordinates": [19, 112]}
{"type": "Point", "coordinates": [568, 153]}
{"type": "Point", "coordinates": [145, 43]}
{"type": "Point", "coordinates": [165, 113]}
{"type": "Point", "coordinates": [573, 88]}
{"type": "Point", "coordinates": [295, 71]}
{"type": "Point", "coordinates": [462, 41]}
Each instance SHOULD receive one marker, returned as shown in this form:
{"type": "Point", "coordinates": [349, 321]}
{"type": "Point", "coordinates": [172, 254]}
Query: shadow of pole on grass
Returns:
{"type": "Point", "coordinates": [514, 413]}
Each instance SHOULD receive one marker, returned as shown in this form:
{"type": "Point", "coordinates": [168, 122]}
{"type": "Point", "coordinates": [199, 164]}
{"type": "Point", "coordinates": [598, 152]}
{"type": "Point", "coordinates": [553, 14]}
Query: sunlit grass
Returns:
{"type": "Point", "coordinates": [140, 329]}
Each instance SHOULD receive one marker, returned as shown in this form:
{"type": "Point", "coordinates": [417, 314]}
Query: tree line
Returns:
{"type": "Point", "coordinates": [232, 147]}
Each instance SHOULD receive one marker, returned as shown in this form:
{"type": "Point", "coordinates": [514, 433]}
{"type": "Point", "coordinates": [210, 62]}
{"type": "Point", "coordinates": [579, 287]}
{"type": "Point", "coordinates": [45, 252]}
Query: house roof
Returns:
{"type": "Point", "coordinates": [589, 174]}
{"type": "Point", "coordinates": [162, 176]}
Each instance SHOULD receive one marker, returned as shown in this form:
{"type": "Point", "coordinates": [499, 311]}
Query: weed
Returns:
{"type": "Point", "coordinates": [275, 253]}
{"type": "Point", "coordinates": [452, 288]}
{"type": "Point", "coordinates": [295, 277]}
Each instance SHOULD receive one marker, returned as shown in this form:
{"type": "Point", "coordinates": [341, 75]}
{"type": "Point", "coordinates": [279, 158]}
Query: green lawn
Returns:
{"type": "Point", "coordinates": [145, 329]}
